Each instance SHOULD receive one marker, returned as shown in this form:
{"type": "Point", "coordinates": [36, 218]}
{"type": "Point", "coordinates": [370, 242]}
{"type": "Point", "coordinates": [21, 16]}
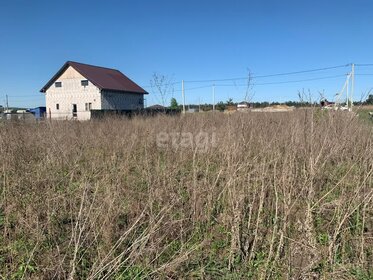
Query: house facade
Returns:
{"type": "Point", "coordinates": [78, 88]}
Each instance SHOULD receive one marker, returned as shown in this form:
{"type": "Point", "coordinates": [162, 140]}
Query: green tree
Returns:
{"type": "Point", "coordinates": [174, 104]}
{"type": "Point", "coordinates": [230, 102]}
{"type": "Point", "coordinates": [369, 100]}
{"type": "Point", "coordinates": [220, 106]}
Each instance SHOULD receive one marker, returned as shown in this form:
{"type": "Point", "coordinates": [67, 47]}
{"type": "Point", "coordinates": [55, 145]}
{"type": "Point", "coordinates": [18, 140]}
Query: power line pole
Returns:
{"type": "Point", "coordinates": [348, 92]}
{"type": "Point", "coordinates": [352, 84]}
{"type": "Point", "coordinates": [213, 97]}
{"type": "Point", "coordinates": [183, 95]}
{"type": "Point", "coordinates": [6, 102]}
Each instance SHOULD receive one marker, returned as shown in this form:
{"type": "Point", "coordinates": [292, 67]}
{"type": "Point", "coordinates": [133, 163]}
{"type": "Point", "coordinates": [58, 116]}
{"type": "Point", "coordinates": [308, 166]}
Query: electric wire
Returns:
{"type": "Point", "coordinates": [271, 75]}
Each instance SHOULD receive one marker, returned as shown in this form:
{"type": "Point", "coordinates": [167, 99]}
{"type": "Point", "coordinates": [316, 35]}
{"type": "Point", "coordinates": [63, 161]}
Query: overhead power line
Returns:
{"type": "Point", "coordinates": [304, 71]}
{"type": "Point", "coordinates": [168, 84]}
{"type": "Point", "coordinates": [268, 83]}
{"type": "Point", "coordinates": [364, 64]}
{"type": "Point", "coordinates": [193, 88]}
{"type": "Point", "coordinates": [217, 80]}
{"type": "Point", "coordinates": [288, 82]}
{"type": "Point", "coordinates": [27, 96]}
{"type": "Point", "coordinates": [272, 75]}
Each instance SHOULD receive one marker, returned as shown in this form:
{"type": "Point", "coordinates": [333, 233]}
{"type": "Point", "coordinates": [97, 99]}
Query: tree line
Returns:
{"type": "Point", "coordinates": [221, 105]}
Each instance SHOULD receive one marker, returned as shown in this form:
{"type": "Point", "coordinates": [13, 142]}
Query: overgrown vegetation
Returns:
{"type": "Point", "coordinates": [364, 113]}
{"type": "Point", "coordinates": [278, 196]}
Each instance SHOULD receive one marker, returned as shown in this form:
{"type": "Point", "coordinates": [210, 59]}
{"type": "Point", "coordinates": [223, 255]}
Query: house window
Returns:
{"type": "Point", "coordinates": [58, 84]}
{"type": "Point", "coordinates": [88, 106]}
{"type": "Point", "coordinates": [57, 106]}
{"type": "Point", "coordinates": [75, 110]}
{"type": "Point", "coordinates": [84, 83]}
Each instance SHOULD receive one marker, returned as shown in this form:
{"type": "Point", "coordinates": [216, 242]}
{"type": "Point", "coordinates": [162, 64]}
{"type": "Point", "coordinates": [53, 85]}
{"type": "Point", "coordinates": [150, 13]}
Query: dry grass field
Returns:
{"type": "Point", "coordinates": [363, 112]}
{"type": "Point", "coordinates": [210, 196]}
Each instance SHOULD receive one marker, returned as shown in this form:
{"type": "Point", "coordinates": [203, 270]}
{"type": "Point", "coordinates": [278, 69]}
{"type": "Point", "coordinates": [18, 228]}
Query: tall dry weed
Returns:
{"type": "Point", "coordinates": [270, 196]}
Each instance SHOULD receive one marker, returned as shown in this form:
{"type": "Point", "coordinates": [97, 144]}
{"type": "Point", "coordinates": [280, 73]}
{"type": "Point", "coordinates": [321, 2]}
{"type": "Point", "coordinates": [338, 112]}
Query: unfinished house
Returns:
{"type": "Point", "coordinates": [78, 88]}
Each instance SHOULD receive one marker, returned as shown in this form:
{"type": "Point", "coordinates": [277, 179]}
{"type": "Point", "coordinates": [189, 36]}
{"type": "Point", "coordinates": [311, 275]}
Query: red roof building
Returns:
{"type": "Point", "coordinates": [78, 88]}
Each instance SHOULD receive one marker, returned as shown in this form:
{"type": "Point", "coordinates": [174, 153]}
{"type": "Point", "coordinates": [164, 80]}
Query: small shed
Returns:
{"type": "Point", "coordinates": [38, 112]}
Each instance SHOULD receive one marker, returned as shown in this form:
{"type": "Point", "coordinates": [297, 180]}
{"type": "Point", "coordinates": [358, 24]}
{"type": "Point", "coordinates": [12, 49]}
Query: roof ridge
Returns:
{"type": "Point", "coordinates": [70, 61]}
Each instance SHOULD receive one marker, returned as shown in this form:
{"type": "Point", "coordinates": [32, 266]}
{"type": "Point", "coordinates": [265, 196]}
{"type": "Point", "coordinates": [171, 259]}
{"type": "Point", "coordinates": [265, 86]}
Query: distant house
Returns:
{"type": "Point", "coordinates": [191, 110]}
{"type": "Point", "coordinates": [156, 107]}
{"type": "Point", "coordinates": [17, 114]}
{"type": "Point", "coordinates": [78, 88]}
{"type": "Point", "coordinates": [324, 103]}
{"type": "Point", "coordinates": [243, 106]}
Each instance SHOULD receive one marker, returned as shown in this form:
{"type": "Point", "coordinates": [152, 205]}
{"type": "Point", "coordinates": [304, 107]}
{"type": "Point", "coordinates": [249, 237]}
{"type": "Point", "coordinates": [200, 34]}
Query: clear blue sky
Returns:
{"type": "Point", "coordinates": [190, 40]}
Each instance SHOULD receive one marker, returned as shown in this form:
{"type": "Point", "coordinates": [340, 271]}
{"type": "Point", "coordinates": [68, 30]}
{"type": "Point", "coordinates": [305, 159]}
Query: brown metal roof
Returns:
{"type": "Point", "coordinates": [103, 78]}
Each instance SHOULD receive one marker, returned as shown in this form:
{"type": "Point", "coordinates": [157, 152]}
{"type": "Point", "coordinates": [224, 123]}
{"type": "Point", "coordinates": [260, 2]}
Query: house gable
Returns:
{"type": "Point", "coordinates": [70, 80]}
{"type": "Point", "coordinates": [66, 73]}
{"type": "Point", "coordinates": [71, 73]}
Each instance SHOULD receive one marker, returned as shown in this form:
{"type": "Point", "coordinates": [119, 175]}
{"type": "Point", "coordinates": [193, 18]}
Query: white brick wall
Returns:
{"type": "Point", "coordinates": [71, 92]}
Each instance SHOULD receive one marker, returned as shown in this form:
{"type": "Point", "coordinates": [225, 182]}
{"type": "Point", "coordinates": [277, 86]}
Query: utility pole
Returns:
{"type": "Point", "coordinates": [213, 97]}
{"type": "Point", "coordinates": [348, 92]}
{"type": "Point", "coordinates": [6, 102]}
{"type": "Point", "coordinates": [183, 95]}
{"type": "Point", "coordinates": [352, 84]}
